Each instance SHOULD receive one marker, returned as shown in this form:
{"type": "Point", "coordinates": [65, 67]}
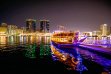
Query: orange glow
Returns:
{"type": "Point", "coordinates": [63, 37]}
{"type": "Point", "coordinates": [3, 40]}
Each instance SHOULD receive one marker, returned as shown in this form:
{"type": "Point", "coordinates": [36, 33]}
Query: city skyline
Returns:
{"type": "Point", "coordinates": [36, 26]}
{"type": "Point", "coordinates": [83, 15]}
{"type": "Point", "coordinates": [55, 36]}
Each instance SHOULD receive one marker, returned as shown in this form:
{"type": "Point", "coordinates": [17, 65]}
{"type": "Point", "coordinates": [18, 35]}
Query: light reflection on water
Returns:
{"type": "Point", "coordinates": [106, 63]}
{"type": "Point", "coordinates": [19, 40]}
{"type": "Point", "coordinates": [60, 54]}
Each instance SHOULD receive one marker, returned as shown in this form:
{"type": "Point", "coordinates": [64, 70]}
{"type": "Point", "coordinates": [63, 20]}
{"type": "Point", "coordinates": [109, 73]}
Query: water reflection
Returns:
{"type": "Point", "coordinates": [18, 40]}
{"type": "Point", "coordinates": [104, 62]}
{"type": "Point", "coordinates": [3, 41]}
{"type": "Point", "coordinates": [70, 57]}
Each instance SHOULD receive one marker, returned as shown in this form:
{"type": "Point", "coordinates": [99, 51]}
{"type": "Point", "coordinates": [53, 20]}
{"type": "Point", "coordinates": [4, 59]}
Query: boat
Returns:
{"type": "Point", "coordinates": [63, 49]}
{"type": "Point", "coordinates": [66, 39]}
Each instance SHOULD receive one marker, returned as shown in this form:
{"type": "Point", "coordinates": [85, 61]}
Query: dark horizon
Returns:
{"type": "Point", "coordinates": [74, 14]}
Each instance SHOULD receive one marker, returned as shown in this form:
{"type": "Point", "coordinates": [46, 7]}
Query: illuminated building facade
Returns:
{"type": "Point", "coordinates": [44, 26]}
{"type": "Point", "coordinates": [3, 30]}
{"type": "Point", "coordinates": [87, 33]}
{"type": "Point", "coordinates": [11, 30]}
{"type": "Point", "coordinates": [4, 25]}
{"type": "Point", "coordinates": [104, 29]}
{"type": "Point", "coordinates": [61, 28]}
{"type": "Point", "coordinates": [31, 25]}
{"type": "Point", "coordinates": [19, 31]}
{"type": "Point", "coordinates": [3, 33]}
{"type": "Point", "coordinates": [96, 33]}
{"type": "Point", "coordinates": [24, 29]}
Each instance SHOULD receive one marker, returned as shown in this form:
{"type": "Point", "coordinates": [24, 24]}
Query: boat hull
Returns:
{"type": "Point", "coordinates": [62, 45]}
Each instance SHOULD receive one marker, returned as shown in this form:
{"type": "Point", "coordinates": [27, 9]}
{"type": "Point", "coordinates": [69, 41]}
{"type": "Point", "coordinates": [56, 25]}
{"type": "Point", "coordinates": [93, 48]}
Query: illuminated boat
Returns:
{"type": "Point", "coordinates": [66, 39]}
{"type": "Point", "coordinates": [62, 48]}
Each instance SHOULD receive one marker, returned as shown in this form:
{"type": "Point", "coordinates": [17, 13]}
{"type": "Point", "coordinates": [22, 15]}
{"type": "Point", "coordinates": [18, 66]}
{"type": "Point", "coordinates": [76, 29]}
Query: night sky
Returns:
{"type": "Point", "coordinates": [83, 15]}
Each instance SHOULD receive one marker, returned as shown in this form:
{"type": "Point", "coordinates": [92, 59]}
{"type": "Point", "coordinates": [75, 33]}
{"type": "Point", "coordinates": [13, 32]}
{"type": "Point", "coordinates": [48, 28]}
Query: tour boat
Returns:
{"type": "Point", "coordinates": [63, 49]}
{"type": "Point", "coordinates": [66, 39]}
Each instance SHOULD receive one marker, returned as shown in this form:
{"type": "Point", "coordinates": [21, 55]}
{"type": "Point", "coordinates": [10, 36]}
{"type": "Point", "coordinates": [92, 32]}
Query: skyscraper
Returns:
{"type": "Point", "coordinates": [44, 26]}
{"type": "Point", "coordinates": [104, 29]}
{"type": "Point", "coordinates": [31, 25]}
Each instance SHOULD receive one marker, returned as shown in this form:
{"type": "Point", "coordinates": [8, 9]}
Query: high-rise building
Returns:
{"type": "Point", "coordinates": [44, 26]}
{"type": "Point", "coordinates": [104, 29]}
{"type": "Point", "coordinates": [31, 25]}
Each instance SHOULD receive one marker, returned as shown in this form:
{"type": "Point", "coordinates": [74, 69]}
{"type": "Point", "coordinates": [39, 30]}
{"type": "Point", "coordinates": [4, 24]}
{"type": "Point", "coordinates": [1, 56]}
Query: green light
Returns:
{"type": "Point", "coordinates": [31, 51]}
{"type": "Point", "coordinates": [47, 50]}
{"type": "Point", "coordinates": [44, 50]}
{"type": "Point", "coordinates": [41, 49]}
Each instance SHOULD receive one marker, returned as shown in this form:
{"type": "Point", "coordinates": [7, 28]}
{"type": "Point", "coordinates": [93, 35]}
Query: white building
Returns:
{"type": "Point", "coordinates": [104, 29]}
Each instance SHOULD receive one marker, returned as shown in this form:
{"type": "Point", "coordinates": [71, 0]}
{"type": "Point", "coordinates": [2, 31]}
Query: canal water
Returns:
{"type": "Point", "coordinates": [31, 54]}
{"type": "Point", "coordinates": [102, 64]}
